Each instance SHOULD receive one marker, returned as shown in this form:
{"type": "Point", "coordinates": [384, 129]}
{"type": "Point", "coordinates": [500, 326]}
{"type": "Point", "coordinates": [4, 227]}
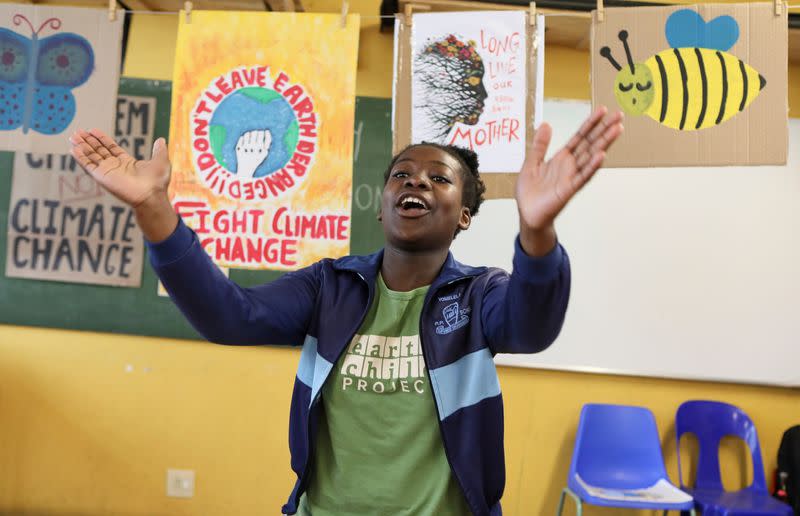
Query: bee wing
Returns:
{"type": "Point", "coordinates": [686, 28]}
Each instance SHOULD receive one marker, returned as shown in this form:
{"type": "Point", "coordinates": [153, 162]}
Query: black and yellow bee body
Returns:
{"type": "Point", "coordinates": [686, 87]}
{"type": "Point", "coordinates": [696, 88]}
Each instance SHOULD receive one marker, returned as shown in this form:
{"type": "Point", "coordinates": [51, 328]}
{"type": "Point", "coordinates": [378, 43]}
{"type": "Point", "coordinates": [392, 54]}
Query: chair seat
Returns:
{"type": "Point", "coordinates": [661, 495]}
{"type": "Point", "coordinates": [745, 502]}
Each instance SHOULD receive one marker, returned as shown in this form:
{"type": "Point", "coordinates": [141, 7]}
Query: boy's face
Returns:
{"type": "Point", "coordinates": [422, 200]}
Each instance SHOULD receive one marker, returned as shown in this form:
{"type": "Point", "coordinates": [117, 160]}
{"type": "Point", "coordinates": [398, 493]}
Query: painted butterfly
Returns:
{"type": "Point", "coordinates": [36, 76]}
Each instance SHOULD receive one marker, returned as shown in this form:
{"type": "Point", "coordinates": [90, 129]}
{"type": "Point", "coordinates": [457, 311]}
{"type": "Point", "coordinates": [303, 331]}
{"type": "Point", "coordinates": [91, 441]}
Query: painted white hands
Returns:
{"type": "Point", "coordinates": [251, 151]}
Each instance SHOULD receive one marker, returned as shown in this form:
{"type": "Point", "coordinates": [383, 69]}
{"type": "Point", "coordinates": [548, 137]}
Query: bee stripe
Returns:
{"type": "Point", "coordinates": [684, 80]}
{"type": "Point", "coordinates": [744, 88]}
{"type": "Point", "coordinates": [724, 88]}
{"type": "Point", "coordinates": [664, 89]}
{"type": "Point", "coordinates": [704, 81]}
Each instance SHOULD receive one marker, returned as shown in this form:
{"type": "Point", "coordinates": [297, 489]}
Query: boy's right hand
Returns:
{"type": "Point", "coordinates": [132, 181]}
{"type": "Point", "coordinates": [141, 184]}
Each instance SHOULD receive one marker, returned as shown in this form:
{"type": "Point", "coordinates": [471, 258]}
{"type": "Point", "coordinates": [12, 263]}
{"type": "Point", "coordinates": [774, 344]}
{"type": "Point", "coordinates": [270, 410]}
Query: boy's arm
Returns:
{"type": "Point", "coordinates": [524, 312]}
{"type": "Point", "coordinates": [225, 313]}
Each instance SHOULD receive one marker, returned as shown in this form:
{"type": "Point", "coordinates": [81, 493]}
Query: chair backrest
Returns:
{"type": "Point", "coordinates": [617, 446]}
{"type": "Point", "coordinates": [710, 421]}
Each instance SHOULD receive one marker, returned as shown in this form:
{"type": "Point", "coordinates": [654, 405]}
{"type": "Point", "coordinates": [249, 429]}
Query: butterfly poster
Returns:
{"type": "Point", "coordinates": [59, 70]}
{"type": "Point", "coordinates": [471, 79]}
{"type": "Point", "coordinates": [699, 85]}
{"type": "Point", "coordinates": [65, 227]}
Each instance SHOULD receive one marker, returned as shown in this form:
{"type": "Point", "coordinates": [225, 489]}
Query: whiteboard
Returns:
{"type": "Point", "coordinates": [688, 273]}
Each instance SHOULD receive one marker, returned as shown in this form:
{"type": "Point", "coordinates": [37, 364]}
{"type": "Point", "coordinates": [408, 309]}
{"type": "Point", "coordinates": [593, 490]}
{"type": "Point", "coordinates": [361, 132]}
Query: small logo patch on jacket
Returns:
{"type": "Point", "coordinates": [454, 318]}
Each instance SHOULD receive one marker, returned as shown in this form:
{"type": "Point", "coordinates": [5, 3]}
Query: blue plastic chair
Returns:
{"type": "Point", "coordinates": [710, 421]}
{"type": "Point", "coordinates": [617, 462]}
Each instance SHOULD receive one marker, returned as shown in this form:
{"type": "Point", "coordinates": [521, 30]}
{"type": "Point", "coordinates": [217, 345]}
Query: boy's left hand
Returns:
{"type": "Point", "coordinates": [545, 187]}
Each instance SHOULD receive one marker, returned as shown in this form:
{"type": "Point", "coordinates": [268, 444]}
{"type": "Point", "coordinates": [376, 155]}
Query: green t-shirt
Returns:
{"type": "Point", "coordinates": [378, 449]}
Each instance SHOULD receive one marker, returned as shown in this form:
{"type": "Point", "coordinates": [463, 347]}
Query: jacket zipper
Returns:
{"type": "Point", "coordinates": [304, 477]}
{"type": "Point", "coordinates": [433, 393]}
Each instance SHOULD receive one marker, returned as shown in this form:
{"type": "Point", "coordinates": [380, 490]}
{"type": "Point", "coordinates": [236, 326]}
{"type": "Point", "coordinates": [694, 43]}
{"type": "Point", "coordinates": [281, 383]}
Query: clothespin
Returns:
{"type": "Point", "coordinates": [410, 7]}
{"type": "Point", "coordinates": [532, 14]}
{"type": "Point", "coordinates": [778, 7]}
{"type": "Point", "coordinates": [112, 10]}
{"type": "Point", "coordinates": [601, 15]}
{"type": "Point", "coordinates": [345, 8]}
{"type": "Point", "coordinates": [407, 12]}
{"type": "Point", "coordinates": [187, 6]}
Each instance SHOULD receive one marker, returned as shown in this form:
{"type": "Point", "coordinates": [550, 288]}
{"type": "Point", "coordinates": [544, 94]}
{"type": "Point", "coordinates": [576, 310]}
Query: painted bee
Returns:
{"type": "Point", "coordinates": [694, 85]}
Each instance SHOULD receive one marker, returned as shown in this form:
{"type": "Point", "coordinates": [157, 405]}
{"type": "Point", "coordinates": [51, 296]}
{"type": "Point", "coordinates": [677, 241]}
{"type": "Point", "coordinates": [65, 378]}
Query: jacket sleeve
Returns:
{"type": "Point", "coordinates": [278, 312]}
{"type": "Point", "coordinates": [524, 312]}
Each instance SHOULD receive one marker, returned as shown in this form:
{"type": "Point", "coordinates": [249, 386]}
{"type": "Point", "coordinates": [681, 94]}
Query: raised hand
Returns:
{"type": "Point", "coordinates": [251, 151]}
{"type": "Point", "coordinates": [141, 184]}
{"type": "Point", "coordinates": [130, 180]}
{"type": "Point", "coordinates": [545, 187]}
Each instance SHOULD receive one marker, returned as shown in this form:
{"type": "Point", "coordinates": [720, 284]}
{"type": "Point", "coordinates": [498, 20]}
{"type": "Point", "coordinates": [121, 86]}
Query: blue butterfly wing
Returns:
{"type": "Point", "coordinates": [53, 109]}
{"type": "Point", "coordinates": [686, 28]}
{"type": "Point", "coordinates": [15, 56]}
{"type": "Point", "coordinates": [12, 105]}
{"type": "Point", "coordinates": [65, 59]}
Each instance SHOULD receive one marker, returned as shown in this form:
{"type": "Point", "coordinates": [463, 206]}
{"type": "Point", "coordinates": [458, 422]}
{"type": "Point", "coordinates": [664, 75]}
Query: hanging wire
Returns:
{"type": "Point", "coordinates": [576, 14]}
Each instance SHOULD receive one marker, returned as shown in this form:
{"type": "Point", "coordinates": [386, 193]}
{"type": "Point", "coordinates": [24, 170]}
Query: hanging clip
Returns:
{"type": "Point", "coordinates": [601, 14]}
{"type": "Point", "coordinates": [345, 8]}
{"type": "Point", "coordinates": [187, 6]}
{"type": "Point", "coordinates": [532, 14]}
{"type": "Point", "coordinates": [778, 7]}
{"type": "Point", "coordinates": [407, 13]}
{"type": "Point", "coordinates": [112, 10]}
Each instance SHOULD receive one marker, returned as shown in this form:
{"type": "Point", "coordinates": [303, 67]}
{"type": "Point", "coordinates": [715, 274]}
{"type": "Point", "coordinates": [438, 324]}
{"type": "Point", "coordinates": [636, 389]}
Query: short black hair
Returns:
{"type": "Point", "coordinates": [474, 188]}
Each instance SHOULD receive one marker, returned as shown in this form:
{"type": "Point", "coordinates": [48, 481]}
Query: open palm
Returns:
{"type": "Point", "coordinates": [545, 187]}
{"type": "Point", "coordinates": [130, 180]}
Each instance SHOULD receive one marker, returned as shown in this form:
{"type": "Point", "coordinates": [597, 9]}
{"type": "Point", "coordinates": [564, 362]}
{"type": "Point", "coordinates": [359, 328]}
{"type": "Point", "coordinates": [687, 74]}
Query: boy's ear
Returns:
{"type": "Point", "coordinates": [465, 220]}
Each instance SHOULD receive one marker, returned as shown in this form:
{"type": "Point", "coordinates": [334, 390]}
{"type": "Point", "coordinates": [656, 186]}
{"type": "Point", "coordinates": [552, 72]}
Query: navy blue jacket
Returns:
{"type": "Point", "coordinates": [470, 313]}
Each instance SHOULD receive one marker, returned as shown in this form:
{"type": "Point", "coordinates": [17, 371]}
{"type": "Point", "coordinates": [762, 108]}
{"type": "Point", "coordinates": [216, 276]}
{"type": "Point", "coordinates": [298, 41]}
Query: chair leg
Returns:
{"type": "Point", "coordinates": [683, 513]}
{"type": "Point", "coordinates": [578, 502]}
{"type": "Point", "coordinates": [561, 502]}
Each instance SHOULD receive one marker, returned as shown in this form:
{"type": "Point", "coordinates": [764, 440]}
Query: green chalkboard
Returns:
{"type": "Point", "coordinates": [140, 311]}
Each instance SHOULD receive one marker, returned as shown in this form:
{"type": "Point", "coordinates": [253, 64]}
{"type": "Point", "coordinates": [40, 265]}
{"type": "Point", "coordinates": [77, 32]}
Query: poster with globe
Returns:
{"type": "Point", "coordinates": [261, 136]}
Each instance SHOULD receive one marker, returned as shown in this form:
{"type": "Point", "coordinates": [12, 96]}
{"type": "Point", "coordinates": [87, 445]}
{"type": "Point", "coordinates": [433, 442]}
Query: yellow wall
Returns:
{"type": "Point", "coordinates": [90, 422]}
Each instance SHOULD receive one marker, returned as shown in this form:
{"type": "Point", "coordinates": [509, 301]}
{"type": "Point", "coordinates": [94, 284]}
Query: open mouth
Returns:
{"type": "Point", "coordinates": [411, 205]}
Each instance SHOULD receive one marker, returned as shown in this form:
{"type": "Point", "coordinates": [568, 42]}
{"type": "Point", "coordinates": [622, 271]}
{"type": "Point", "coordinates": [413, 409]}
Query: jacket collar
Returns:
{"type": "Point", "coordinates": [367, 267]}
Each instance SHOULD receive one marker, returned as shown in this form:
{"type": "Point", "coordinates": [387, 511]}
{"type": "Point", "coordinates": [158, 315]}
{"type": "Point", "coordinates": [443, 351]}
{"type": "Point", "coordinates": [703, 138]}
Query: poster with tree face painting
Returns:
{"type": "Point", "coordinates": [469, 84]}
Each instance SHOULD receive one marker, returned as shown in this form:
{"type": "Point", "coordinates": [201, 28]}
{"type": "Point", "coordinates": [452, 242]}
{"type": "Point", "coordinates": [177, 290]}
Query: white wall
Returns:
{"type": "Point", "coordinates": [680, 273]}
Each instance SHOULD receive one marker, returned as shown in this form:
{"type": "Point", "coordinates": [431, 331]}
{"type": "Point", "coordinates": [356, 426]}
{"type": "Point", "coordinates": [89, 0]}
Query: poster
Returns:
{"type": "Point", "coordinates": [63, 226]}
{"type": "Point", "coordinates": [699, 85]}
{"type": "Point", "coordinates": [59, 71]}
{"type": "Point", "coordinates": [469, 84]}
{"type": "Point", "coordinates": [261, 138]}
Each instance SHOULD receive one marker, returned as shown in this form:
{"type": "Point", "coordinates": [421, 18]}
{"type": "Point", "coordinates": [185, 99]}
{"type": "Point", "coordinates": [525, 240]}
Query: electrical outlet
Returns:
{"type": "Point", "coordinates": [180, 483]}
